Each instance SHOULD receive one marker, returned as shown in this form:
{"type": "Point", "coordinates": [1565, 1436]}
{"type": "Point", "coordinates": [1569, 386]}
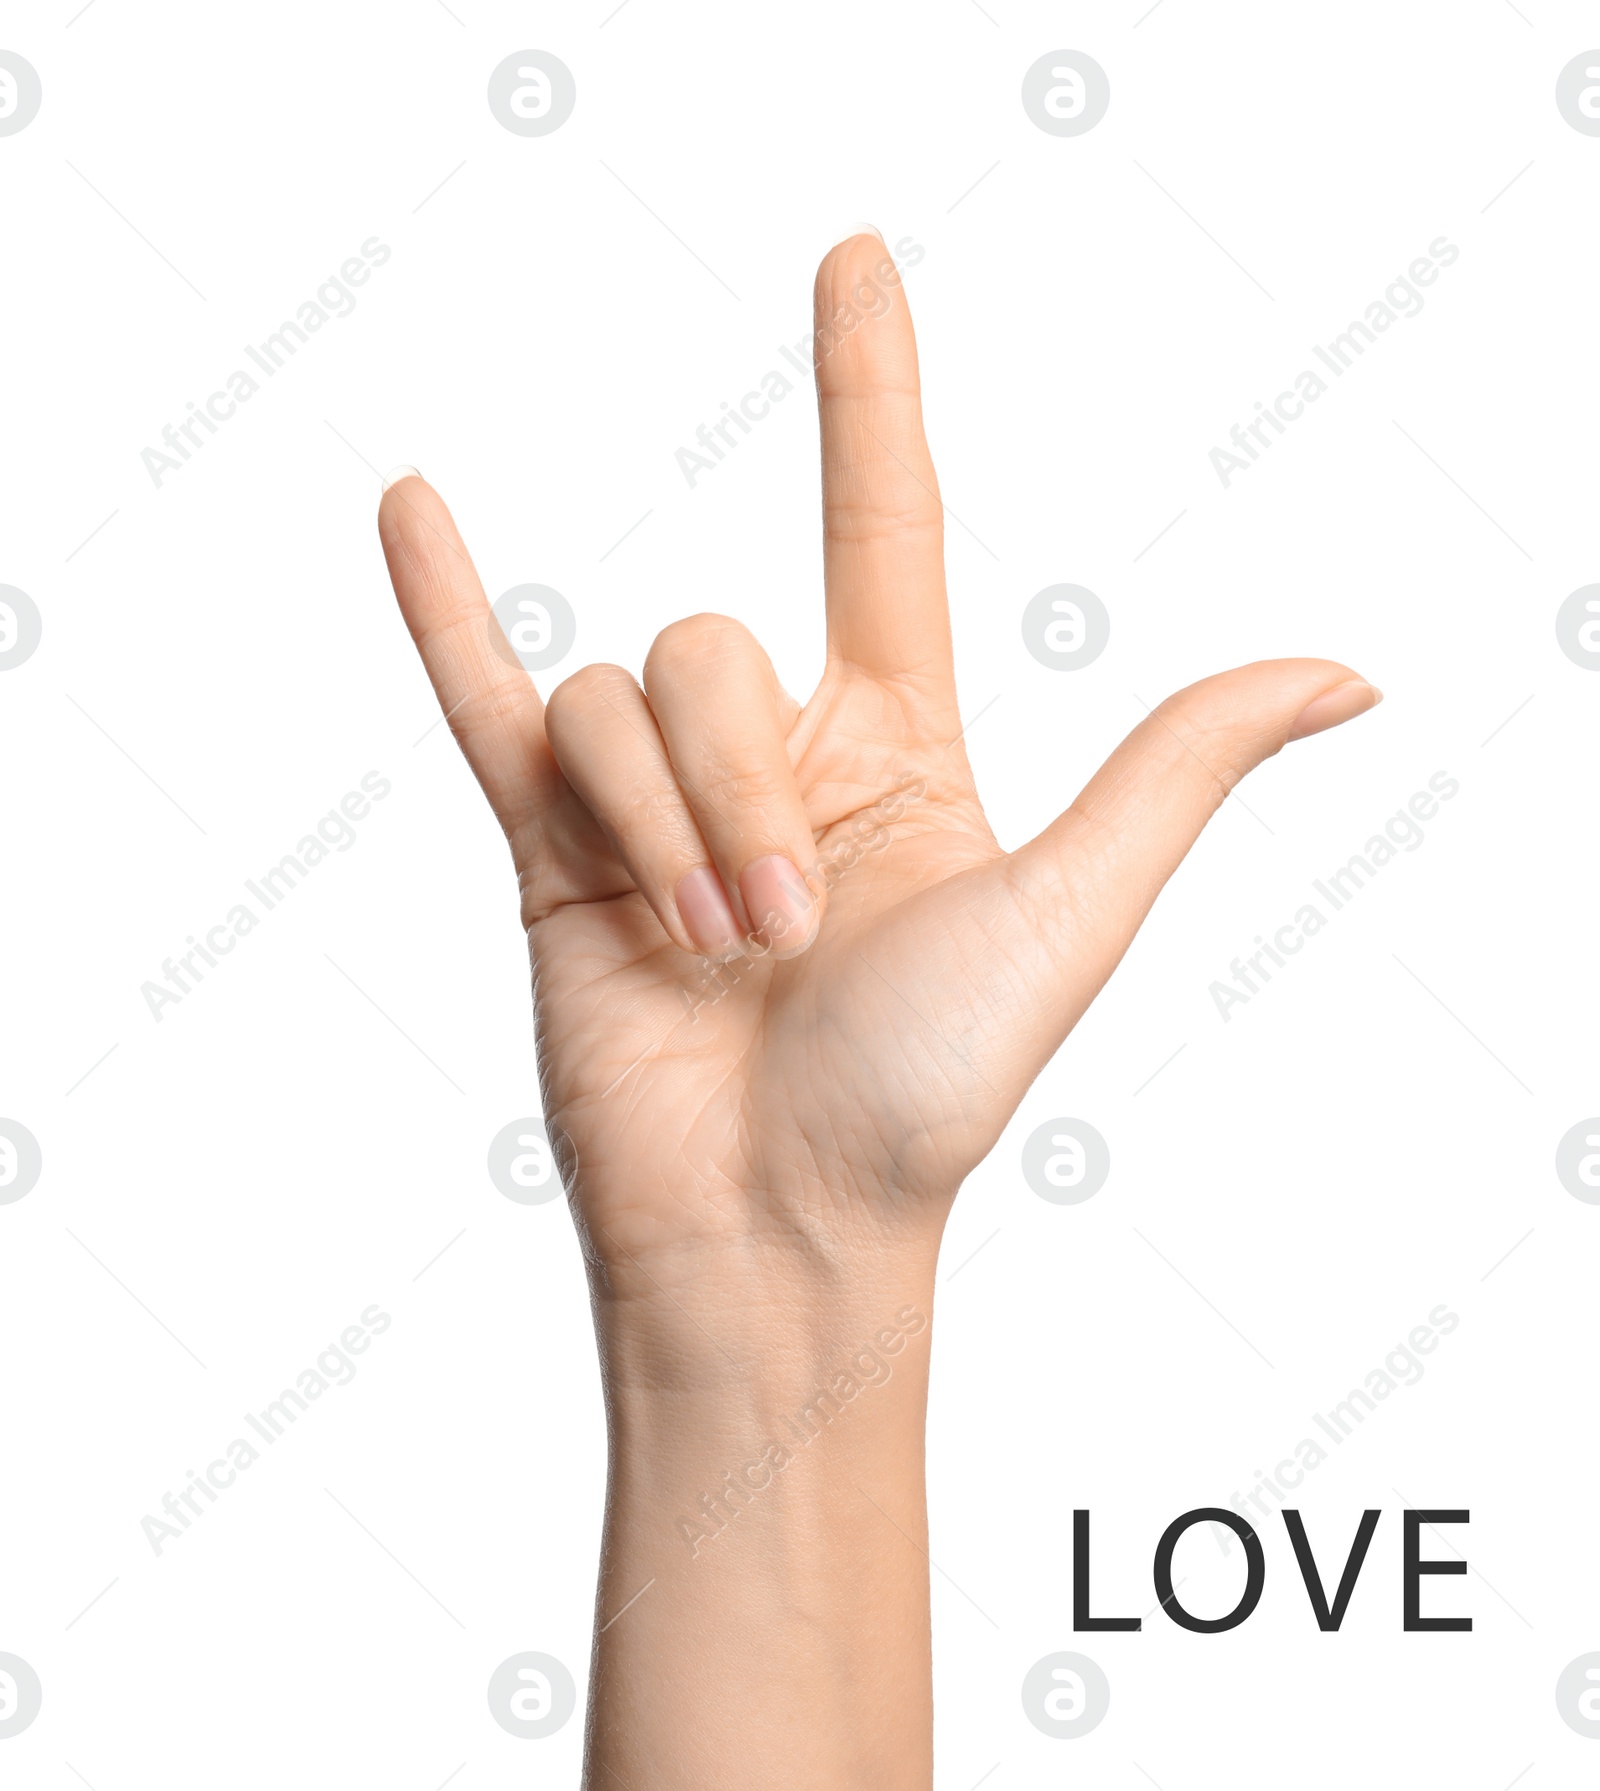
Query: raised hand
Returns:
{"type": "Point", "coordinates": [907, 978]}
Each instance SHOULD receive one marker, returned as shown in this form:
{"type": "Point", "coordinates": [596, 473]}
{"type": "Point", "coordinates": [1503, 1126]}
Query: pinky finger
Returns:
{"type": "Point", "coordinates": [491, 705]}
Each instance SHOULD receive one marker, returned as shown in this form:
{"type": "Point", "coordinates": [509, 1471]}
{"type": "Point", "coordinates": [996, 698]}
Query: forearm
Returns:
{"type": "Point", "coordinates": [762, 1616]}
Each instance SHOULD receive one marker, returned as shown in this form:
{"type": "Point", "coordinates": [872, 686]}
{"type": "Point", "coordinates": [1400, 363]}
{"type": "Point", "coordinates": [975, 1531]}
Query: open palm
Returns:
{"type": "Point", "coordinates": [787, 982]}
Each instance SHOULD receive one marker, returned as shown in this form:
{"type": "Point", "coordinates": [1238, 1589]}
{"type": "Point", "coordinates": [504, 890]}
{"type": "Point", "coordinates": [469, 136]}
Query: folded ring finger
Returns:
{"type": "Point", "coordinates": [610, 750]}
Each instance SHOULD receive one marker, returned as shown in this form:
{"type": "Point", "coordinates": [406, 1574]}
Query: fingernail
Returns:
{"type": "Point", "coordinates": [860, 230]}
{"type": "Point", "coordinates": [396, 473]}
{"type": "Point", "coordinates": [780, 904]}
{"type": "Point", "coordinates": [1343, 703]}
{"type": "Point", "coordinates": [706, 915]}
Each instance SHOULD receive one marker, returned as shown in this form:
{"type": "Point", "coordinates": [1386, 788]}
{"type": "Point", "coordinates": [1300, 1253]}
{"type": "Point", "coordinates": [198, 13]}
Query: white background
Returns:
{"type": "Point", "coordinates": [1326, 1167]}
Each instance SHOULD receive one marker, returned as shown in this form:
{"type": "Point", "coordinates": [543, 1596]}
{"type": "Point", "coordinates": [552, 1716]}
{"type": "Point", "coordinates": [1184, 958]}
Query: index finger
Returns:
{"type": "Point", "coordinates": [883, 521]}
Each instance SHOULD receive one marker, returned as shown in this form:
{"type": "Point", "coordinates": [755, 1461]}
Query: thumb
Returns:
{"type": "Point", "coordinates": [1089, 879]}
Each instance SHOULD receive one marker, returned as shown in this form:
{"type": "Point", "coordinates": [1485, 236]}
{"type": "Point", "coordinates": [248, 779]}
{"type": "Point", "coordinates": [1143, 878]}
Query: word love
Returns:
{"type": "Point", "coordinates": [1328, 1616]}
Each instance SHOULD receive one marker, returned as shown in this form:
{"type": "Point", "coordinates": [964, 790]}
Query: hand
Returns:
{"type": "Point", "coordinates": [789, 991]}
{"type": "Point", "coordinates": [907, 978]}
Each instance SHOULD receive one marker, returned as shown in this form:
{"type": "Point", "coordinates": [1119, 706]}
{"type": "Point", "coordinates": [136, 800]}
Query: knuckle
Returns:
{"type": "Point", "coordinates": [865, 512]}
{"type": "Point", "coordinates": [742, 788]}
{"type": "Point", "coordinates": [659, 812]}
{"type": "Point", "coordinates": [696, 640]}
{"type": "Point", "coordinates": [594, 688]}
{"type": "Point", "coordinates": [494, 709]}
{"type": "Point", "coordinates": [1204, 748]}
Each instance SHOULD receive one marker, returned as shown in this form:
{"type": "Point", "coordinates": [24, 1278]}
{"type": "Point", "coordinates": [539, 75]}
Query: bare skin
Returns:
{"type": "Point", "coordinates": [761, 1159]}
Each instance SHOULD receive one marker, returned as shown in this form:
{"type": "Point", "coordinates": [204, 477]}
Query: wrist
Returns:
{"type": "Point", "coordinates": [754, 1320]}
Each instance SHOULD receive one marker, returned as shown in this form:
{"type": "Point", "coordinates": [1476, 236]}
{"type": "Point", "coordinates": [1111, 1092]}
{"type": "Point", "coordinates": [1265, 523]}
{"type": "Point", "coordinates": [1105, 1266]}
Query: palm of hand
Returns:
{"type": "Point", "coordinates": [701, 1098]}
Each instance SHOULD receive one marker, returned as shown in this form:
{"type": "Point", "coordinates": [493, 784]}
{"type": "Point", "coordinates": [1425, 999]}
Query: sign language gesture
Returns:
{"type": "Point", "coordinates": [895, 980]}
{"type": "Point", "coordinates": [789, 991]}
